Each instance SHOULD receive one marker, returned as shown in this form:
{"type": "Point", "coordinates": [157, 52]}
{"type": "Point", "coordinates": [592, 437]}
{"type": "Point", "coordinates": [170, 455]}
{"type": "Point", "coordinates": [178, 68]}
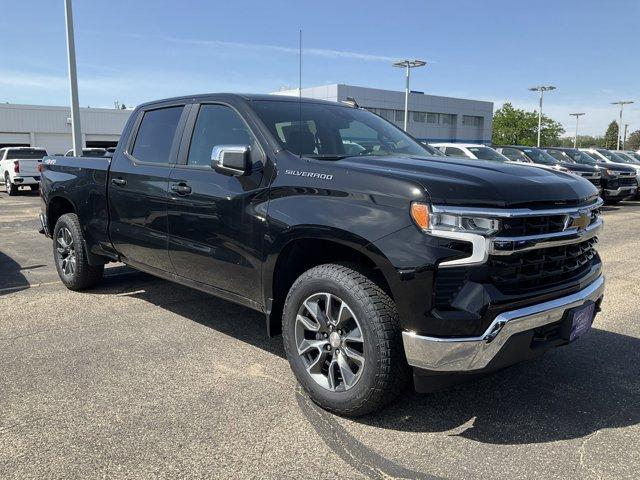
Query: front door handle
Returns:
{"type": "Point", "coordinates": [120, 182]}
{"type": "Point", "coordinates": [181, 188]}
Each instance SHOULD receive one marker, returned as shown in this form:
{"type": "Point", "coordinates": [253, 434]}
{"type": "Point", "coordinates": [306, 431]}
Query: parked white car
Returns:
{"type": "Point", "coordinates": [474, 151]}
{"type": "Point", "coordinates": [19, 167]}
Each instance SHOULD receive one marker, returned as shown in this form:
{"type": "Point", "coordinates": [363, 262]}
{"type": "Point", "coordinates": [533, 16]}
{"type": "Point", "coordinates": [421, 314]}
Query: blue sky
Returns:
{"type": "Point", "coordinates": [139, 50]}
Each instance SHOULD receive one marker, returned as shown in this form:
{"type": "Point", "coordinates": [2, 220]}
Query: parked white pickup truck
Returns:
{"type": "Point", "coordinates": [19, 166]}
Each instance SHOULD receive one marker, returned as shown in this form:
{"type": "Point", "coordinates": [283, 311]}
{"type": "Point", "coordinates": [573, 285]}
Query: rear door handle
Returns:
{"type": "Point", "coordinates": [120, 182]}
{"type": "Point", "coordinates": [181, 188]}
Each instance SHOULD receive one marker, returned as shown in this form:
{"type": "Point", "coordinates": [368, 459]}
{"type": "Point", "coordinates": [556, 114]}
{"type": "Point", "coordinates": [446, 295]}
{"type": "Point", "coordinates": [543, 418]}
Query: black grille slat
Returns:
{"type": "Point", "coordinates": [544, 267]}
{"type": "Point", "coordinates": [627, 182]}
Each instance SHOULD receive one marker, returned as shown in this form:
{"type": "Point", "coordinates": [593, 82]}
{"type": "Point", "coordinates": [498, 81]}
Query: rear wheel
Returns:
{"type": "Point", "coordinates": [70, 257]}
{"type": "Point", "coordinates": [12, 189]}
{"type": "Point", "coordinates": [343, 340]}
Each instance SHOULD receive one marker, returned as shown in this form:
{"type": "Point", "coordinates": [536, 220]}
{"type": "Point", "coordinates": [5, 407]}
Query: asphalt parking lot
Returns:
{"type": "Point", "coordinates": [140, 377]}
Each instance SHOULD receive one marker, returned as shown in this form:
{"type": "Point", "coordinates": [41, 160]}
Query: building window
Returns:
{"type": "Point", "coordinates": [399, 115]}
{"type": "Point", "coordinates": [432, 118]}
{"type": "Point", "coordinates": [447, 119]}
{"type": "Point", "coordinates": [472, 121]}
{"type": "Point", "coordinates": [419, 117]}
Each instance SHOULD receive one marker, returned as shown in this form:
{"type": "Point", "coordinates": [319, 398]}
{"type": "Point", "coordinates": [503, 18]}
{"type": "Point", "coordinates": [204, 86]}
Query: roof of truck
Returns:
{"type": "Point", "coordinates": [245, 97]}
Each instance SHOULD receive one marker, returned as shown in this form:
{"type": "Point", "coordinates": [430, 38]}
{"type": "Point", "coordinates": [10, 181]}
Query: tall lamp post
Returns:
{"type": "Point", "coordinates": [408, 65]}
{"type": "Point", "coordinates": [76, 131]}
{"type": "Point", "coordinates": [624, 139]}
{"type": "Point", "coordinates": [541, 89]}
{"type": "Point", "coordinates": [575, 139]}
{"type": "Point", "coordinates": [622, 103]}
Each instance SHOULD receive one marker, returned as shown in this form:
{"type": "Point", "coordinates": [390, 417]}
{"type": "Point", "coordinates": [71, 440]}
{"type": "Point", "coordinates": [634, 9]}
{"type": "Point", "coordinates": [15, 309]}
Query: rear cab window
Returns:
{"type": "Point", "coordinates": [156, 134]}
{"type": "Point", "coordinates": [26, 154]}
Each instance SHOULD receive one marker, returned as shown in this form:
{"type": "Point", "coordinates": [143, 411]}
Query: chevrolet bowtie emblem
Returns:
{"type": "Point", "coordinates": [579, 221]}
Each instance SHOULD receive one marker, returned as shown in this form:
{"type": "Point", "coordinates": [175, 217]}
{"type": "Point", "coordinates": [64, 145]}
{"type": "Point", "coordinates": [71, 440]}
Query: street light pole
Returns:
{"type": "Point", "coordinates": [76, 131]}
{"type": "Point", "coordinates": [624, 139]}
{"type": "Point", "coordinates": [622, 103]}
{"type": "Point", "coordinates": [541, 89]}
{"type": "Point", "coordinates": [575, 139]}
{"type": "Point", "coordinates": [408, 65]}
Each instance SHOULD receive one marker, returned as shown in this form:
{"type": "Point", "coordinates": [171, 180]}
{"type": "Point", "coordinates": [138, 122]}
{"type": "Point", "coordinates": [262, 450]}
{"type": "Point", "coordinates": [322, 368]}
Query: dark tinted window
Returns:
{"type": "Point", "coordinates": [559, 156]}
{"type": "Point", "coordinates": [30, 154]}
{"type": "Point", "coordinates": [93, 152]}
{"type": "Point", "coordinates": [454, 152]}
{"type": "Point", "coordinates": [217, 125]}
{"type": "Point", "coordinates": [155, 135]}
{"type": "Point", "coordinates": [486, 153]}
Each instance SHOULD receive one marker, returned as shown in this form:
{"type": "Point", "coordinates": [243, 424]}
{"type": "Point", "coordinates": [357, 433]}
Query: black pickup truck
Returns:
{"type": "Point", "coordinates": [373, 259]}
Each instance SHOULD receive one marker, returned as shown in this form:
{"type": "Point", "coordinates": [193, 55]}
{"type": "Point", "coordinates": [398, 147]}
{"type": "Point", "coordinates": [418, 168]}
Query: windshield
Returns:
{"type": "Point", "coordinates": [560, 156]}
{"type": "Point", "coordinates": [627, 158]}
{"type": "Point", "coordinates": [581, 157]}
{"type": "Point", "coordinates": [26, 154]}
{"type": "Point", "coordinates": [612, 157]}
{"type": "Point", "coordinates": [333, 131]}
{"type": "Point", "coordinates": [486, 153]}
{"type": "Point", "coordinates": [540, 156]}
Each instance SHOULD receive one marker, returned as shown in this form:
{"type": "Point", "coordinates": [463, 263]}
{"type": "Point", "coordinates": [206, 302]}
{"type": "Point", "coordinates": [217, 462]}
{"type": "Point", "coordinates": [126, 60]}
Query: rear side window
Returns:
{"type": "Point", "coordinates": [155, 135]}
{"type": "Point", "coordinates": [217, 125]}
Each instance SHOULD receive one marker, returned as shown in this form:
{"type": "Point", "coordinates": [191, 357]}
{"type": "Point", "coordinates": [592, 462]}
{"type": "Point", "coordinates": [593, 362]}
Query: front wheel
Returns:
{"type": "Point", "coordinates": [70, 257]}
{"type": "Point", "coordinates": [343, 340]}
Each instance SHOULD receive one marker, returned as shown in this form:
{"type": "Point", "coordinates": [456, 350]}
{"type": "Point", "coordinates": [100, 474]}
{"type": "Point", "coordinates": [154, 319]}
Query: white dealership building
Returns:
{"type": "Point", "coordinates": [431, 117]}
{"type": "Point", "coordinates": [50, 127]}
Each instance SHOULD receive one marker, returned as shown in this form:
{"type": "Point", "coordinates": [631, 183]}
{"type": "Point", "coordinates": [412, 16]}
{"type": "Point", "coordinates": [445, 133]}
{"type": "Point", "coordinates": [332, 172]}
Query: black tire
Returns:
{"type": "Point", "coordinates": [12, 188]}
{"type": "Point", "coordinates": [385, 372]}
{"type": "Point", "coordinates": [612, 201]}
{"type": "Point", "coordinates": [81, 275]}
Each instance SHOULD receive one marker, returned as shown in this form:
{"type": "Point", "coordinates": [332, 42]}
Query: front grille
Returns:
{"type": "Point", "coordinates": [525, 271]}
{"type": "Point", "coordinates": [595, 181]}
{"type": "Point", "coordinates": [523, 226]}
{"type": "Point", "coordinates": [627, 181]}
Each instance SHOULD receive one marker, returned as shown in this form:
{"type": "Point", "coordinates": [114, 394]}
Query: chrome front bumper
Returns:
{"type": "Point", "coordinates": [475, 353]}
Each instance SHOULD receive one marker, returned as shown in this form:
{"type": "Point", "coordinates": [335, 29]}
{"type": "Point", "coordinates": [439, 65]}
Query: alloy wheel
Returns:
{"type": "Point", "coordinates": [330, 342]}
{"type": "Point", "coordinates": [66, 251]}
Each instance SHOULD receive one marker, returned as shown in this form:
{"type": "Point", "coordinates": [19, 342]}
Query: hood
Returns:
{"type": "Point", "coordinates": [619, 167]}
{"type": "Point", "coordinates": [578, 167]}
{"type": "Point", "coordinates": [456, 181]}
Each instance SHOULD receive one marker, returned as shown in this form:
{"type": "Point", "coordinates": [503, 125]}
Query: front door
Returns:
{"type": "Point", "coordinates": [216, 221]}
{"type": "Point", "coordinates": [138, 186]}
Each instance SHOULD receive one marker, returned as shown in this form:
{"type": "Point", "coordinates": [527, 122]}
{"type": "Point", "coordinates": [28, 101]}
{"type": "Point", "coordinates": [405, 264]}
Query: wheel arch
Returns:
{"type": "Point", "coordinates": [306, 247]}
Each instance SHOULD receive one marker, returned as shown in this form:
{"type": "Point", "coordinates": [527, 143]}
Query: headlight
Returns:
{"type": "Point", "coordinates": [428, 221]}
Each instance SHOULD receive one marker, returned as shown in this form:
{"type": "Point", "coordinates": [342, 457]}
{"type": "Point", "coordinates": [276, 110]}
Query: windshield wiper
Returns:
{"type": "Point", "coordinates": [328, 157]}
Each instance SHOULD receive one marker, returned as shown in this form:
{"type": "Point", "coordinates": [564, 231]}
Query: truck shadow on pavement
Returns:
{"type": "Point", "coordinates": [11, 277]}
{"type": "Point", "coordinates": [569, 393]}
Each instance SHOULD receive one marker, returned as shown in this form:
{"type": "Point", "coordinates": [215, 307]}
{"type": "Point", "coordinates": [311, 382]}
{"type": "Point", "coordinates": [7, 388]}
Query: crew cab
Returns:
{"type": "Point", "coordinates": [19, 167]}
{"type": "Point", "coordinates": [373, 266]}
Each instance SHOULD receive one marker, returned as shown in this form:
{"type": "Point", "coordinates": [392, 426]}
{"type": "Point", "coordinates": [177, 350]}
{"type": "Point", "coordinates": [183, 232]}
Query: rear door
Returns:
{"type": "Point", "coordinates": [217, 221]}
{"type": "Point", "coordinates": [138, 186]}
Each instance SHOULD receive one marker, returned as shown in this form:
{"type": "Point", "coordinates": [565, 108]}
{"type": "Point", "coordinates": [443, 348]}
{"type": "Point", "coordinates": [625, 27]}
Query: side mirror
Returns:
{"type": "Point", "coordinates": [232, 160]}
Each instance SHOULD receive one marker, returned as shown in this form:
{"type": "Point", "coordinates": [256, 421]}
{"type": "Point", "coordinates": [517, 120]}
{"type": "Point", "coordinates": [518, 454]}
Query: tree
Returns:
{"type": "Point", "coordinates": [584, 141]}
{"type": "Point", "coordinates": [633, 141]}
{"type": "Point", "coordinates": [514, 126]}
{"type": "Point", "coordinates": [611, 136]}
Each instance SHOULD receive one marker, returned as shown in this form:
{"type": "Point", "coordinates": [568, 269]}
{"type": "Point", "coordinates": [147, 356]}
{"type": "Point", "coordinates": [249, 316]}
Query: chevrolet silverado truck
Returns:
{"type": "Point", "coordinates": [374, 265]}
{"type": "Point", "coordinates": [19, 166]}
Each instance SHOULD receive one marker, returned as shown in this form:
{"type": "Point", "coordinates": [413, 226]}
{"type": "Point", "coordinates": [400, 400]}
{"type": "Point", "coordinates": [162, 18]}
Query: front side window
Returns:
{"type": "Point", "coordinates": [612, 157]}
{"type": "Point", "coordinates": [217, 125]}
{"type": "Point", "coordinates": [321, 130]}
{"type": "Point", "coordinates": [156, 133]}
